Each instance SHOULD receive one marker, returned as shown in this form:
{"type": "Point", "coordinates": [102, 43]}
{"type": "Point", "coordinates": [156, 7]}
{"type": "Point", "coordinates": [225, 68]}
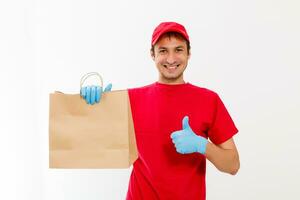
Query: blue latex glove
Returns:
{"type": "Point", "coordinates": [186, 141]}
{"type": "Point", "coordinates": [92, 94]}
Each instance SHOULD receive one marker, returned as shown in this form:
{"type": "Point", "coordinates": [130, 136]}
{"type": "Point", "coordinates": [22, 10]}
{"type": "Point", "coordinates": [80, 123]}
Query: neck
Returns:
{"type": "Point", "coordinates": [171, 81]}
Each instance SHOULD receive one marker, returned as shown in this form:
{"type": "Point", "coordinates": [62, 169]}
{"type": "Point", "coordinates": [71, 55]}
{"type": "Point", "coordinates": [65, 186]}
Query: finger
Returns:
{"type": "Point", "coordinates": [180, 150]}
{"type": "Point", "coordinates": [179, 144]}
{"type": "Point", "coordinates": [174, 141]}
{"type": "Point", "coordinates": [185, 122]}
{"type": "Point", "coordinates": [176, 134]}
{"type": "Point", "coordinates": [82, 92]}
{"type": "Point", "coordinates": [88, 95]}
{"type": "Point", "coordinates": [93, 95]}
{"type": "Point", "coordinates": [177, 141]}
{"type": "Point", "coordinates": [98, 93]}
{"type": "Point", "coordinates": [108, 88]}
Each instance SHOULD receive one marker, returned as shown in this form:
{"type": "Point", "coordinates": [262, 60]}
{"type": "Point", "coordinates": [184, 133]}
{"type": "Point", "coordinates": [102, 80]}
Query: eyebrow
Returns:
{"type": "Point", "coordinates": [162, 47]}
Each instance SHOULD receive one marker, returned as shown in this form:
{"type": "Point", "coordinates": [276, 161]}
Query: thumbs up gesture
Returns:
{"type": "Point", "coordinates": [186, 141]}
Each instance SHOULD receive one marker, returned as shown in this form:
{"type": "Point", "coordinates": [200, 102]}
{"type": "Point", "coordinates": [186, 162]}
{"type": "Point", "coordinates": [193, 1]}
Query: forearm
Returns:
{"type": "Point", "coordinates": [225, 160]}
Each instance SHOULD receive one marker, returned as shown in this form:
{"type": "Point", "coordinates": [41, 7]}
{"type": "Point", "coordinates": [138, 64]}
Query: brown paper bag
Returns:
{"type": "Point", "coordinates": [85, 136]}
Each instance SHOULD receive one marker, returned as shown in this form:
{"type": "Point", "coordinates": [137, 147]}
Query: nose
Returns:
{"type": "Point", "coordinates": [171, 58]}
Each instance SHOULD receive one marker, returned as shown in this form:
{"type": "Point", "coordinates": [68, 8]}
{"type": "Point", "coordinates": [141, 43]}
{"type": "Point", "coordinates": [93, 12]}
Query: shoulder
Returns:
{"type": "Point", "coordinates": [141, 92]}
{"type": "Point", "coordinates": [142, 88]}
{"type": "Point", "coordinates": [208, 93]}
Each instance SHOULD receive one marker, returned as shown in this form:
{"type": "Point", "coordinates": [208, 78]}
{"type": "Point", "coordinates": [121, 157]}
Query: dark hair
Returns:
{"type": "Point", "coordinates": [176, 35]}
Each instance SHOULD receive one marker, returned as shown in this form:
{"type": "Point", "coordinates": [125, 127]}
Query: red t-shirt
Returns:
{"type": "Point", "coordinates": [158, 109]}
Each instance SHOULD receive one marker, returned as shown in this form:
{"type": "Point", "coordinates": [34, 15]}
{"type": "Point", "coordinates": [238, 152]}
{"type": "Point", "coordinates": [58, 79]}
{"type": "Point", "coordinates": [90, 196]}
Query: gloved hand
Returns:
{"type": "Point", "coordinates": [186, 141]}
{"type": "Point", "coordinates": [92, 94]}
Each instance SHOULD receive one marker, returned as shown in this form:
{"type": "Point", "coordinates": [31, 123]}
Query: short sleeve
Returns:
{"type": "Point", "coordinates": [223, 127]}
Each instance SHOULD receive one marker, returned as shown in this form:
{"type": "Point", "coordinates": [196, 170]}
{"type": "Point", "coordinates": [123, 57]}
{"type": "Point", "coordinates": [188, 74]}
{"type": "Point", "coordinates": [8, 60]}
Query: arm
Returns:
{"type": "Point", "coordinates": [224, 156]}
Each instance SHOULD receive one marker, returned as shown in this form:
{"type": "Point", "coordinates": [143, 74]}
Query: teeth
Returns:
{"type": "Point", "coordinates": [171, 67]}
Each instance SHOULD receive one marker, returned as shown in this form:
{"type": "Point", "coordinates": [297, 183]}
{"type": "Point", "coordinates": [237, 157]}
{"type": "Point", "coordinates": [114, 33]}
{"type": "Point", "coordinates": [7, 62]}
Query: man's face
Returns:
{"type": "Point", "coordinates": [171, 58]}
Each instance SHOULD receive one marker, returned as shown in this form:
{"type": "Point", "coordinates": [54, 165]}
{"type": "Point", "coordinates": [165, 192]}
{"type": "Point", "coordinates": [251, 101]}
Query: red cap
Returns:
{"type": "Point", "coordinates": [166, 27]}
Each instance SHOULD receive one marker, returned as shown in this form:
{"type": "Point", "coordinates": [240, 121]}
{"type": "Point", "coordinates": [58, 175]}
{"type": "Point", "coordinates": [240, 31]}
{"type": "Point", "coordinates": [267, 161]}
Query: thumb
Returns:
{"type": "Point", "coordinates": [108, 88]}
{"type": "Point", "coordinates": [185, 123]}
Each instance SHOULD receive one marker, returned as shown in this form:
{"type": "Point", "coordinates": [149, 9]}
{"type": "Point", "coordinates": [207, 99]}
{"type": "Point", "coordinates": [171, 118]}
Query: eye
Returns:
{"type": "Point", "coordinates": [162, 51]}
{"type": "Point", "coordinates": [179, 50]}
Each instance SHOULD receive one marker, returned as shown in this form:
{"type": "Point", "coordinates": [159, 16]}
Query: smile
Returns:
{"type": "Point", "coordinates": [171, 67]}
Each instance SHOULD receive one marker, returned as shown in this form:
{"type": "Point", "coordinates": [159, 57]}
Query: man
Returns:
{"type": "Point", "coordinates": [173, 121]}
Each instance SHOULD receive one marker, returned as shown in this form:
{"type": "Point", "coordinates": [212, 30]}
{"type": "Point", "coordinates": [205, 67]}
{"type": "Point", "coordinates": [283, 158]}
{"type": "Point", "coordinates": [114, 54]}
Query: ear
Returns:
{"type": "Point", "coordinates": [189, 56]}
{"type": "Point", "coordinates": [152, 54]}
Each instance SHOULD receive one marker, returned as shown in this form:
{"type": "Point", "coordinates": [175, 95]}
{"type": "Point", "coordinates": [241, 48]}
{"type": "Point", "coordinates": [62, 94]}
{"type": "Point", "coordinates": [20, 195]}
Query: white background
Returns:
{"type": "Point", "coordinates": [247, 51]}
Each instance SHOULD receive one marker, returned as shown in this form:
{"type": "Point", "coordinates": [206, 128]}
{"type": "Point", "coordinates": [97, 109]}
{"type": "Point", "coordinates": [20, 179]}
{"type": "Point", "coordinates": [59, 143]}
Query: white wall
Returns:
{"type": "Point", "coordinates": [247, 51]}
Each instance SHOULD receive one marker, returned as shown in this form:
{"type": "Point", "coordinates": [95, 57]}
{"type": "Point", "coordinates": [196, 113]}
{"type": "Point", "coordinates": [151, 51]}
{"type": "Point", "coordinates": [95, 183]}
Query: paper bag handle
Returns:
{"type": "Point", "coordinates": [84, 77]}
